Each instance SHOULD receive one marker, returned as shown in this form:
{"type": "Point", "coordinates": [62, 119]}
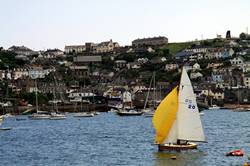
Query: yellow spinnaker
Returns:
{"type": "Point", "coordinates": [165, 116]}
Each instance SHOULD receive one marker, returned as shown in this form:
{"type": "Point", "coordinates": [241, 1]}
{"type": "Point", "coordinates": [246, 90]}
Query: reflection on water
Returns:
{"type": "Point", "coordinates": [193, 157]}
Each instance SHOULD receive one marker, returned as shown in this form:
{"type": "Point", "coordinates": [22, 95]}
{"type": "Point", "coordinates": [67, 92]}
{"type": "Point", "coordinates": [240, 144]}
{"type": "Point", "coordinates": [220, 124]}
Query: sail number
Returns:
{"type": "Point", "coordinates": [190, 104]}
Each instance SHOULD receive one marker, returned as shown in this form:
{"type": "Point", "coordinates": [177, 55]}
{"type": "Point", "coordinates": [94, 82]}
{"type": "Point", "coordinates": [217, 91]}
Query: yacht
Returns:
{"type": "Point", "coordinates": [40, 116]}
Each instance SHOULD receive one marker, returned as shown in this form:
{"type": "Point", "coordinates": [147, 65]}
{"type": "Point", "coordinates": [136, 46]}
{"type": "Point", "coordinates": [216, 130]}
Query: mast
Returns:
{"type": "Point", "coordinates": [154, 90]}
{"type": "Point", "coordinates": [36, 96]}
{"type": "Point", "coordinates": [146, 101]}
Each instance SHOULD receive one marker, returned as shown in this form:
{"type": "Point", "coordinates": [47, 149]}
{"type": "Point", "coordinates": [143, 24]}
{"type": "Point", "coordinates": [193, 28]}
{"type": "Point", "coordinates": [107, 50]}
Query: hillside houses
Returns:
{"type": "Point", "coordinates": [212, 69]}
{"type": "Point", "coordinates": [204, 53]}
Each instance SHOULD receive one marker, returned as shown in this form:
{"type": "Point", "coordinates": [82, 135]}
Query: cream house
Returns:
{"type": "Point", "coordinates": [171, 66]}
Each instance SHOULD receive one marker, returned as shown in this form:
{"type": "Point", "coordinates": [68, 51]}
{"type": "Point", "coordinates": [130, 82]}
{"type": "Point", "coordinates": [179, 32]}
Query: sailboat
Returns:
{"type": "Point", "coordinates": [55, 114]}
{"type": "Point", "coordinates": [149, 112]}
{"type": "Point", "coordinates": [39, 115]}
{"type": "Point", "coordinates": [127, 106]}
{"type": "Point", "coordinates": [177, 120]}
{"type": "Point", "coordinates": [83, 113]}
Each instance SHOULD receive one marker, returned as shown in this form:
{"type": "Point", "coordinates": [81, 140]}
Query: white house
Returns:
{"type": "Point", "coordinates": [196, 66]}
{"type": "Point", "coordinates": [237, 61]}
{"type": "Point", "coordinates": [20, 73]}
{"type": "Point", "coordinates": [246, 67]}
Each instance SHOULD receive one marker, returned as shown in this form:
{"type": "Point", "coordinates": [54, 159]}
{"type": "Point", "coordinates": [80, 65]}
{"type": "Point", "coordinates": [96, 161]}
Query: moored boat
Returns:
{"type": "Point", "coordinates": [238, 152]}
{"type": "Point", "coordinates": [129, 112]}
{"type": "Point", "coordinates": [39, 116]}
{"type": "Point", "coordinates": [214, 107]}
{"type": "Point", "coordinates": [57, 116]}
{"type": "Point", "coordinates": [177, 120]}
{"type": "Point", "coordinates": [83, 114]}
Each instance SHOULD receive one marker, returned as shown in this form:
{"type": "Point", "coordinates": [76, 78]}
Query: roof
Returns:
{"type": "Point", "coordinates": [153, 38]}
{"type": "Point", "coordinates": [54, 50]}
{"type": "Point", "coordinates": [184, 54]}
{"type": "Point", "coordinates": [19, 48]}
{"type": "Point", "coordinates": [88, 59]}
{"type": "Point", "coordinates": [78, 67]}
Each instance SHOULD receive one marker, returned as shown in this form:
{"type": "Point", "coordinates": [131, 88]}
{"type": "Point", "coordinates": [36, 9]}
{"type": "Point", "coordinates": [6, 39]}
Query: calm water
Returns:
{"type": "Point", "coordinates": [108, 139]}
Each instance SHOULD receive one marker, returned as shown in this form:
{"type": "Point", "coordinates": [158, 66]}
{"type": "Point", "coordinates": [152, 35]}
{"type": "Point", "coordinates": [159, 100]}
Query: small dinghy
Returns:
{"type": "Point", "coordinates": [235, 153]}
{"type": "Point", "coordinates": [6, 128]}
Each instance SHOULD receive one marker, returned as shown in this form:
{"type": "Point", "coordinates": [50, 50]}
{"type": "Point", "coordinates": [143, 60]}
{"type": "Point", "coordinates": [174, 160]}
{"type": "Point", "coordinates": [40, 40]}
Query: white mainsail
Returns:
{"type": "Point", "coordinates": [189, 125]}
{"type": "Point", "coordinates": [172, 136]}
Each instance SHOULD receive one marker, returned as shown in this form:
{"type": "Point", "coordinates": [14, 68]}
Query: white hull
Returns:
{"type": "Point", "coordinates": [148, 114]}
{"type": "Point", "coordinates": [128, 112]}
{"type": "Point", "coordinates": [214, 107]}
{"type": "Point", "coordinates": [36, 116]}
{"type": "Point", "coordinates": [58, 117]}
{"type": "Point", "coordinates": [202, 113]}
{"type": "Point", "coordinates": [83, 114]}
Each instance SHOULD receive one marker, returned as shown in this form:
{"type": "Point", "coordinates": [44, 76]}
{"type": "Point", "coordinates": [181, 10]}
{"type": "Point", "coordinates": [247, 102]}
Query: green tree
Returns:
{"type": "Point", "coordinates": [243, 36]}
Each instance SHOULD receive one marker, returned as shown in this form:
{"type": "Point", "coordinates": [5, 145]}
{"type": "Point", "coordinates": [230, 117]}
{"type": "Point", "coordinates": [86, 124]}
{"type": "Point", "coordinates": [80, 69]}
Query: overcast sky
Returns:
{"type": "Point", "coordinates": [42, 24]}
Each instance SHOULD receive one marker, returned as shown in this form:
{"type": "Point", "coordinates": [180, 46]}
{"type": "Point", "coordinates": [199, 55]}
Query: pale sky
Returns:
{"type": "Point", "coordinates": [43, 24]}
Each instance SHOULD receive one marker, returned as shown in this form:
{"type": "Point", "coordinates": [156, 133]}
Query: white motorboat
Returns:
{"type": "Point", "coordinates": [214, 107]}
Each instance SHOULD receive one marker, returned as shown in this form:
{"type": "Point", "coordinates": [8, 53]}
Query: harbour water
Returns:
{"type": "Point", "coordinates": [108, 139]}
